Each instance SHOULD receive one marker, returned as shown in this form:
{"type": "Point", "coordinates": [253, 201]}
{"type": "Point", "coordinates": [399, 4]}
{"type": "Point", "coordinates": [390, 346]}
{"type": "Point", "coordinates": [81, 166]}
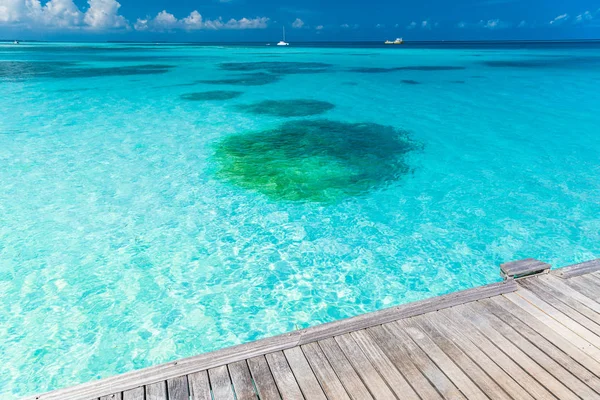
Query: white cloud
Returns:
{"type": "Point", "coordinates": [104, 14]}
{"type": "Point", "coordinates": [298, 23]}
{"type": "Point", "coordinates": [379, 26]}
{"type": "Point", "coordinates": [586, 16]}
{"type": "Point", "coordinates": [522, 24]}
{"type": "Point", "coordinates": [320, 27]}
{"type": "Point", "coordinates": [560, 19]}
{"type": "Point", "coordinates": [62, 14]}
{"type": "Point", "coordinates": [425, 25]}
{"type": "Point", "coordinates": [165, 21]}
{"type": "Point", "coordinates": [461, 24]}
{"type": "Point", "coordinates": [412, 25]}
{"type": "Point", "coordinates": [345, 26]}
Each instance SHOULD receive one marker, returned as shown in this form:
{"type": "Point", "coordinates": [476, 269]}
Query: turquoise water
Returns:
{"type": "Point", "coordinates": [158, 202]}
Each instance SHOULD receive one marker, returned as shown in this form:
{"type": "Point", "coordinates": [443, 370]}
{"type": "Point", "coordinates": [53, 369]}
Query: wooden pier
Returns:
{"type": "Point", "coordinates": [536, 335]}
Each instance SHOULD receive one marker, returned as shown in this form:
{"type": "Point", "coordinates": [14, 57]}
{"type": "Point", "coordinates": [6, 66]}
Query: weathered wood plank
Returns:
{"type": "Point", "coordinates": [220, 382]}
{"type": "Point", "coordinates": [561, 286]}
{"type": "Point", "coordinates": [559, 305]}
{"type": "Point", "coordinates": [263, 379]}
{"type": "Point", "coordinates": [578, 269]}
{"type": "Point", "coordinates": [520, 350]}
{"type": "Point", "coordinates": [441, 359]}
{"type": "Point", "coordinates": [177, 388]}
{"type": "Point", "coordinates": [560, 317]}
{"type": "Point", "coordinates": [583, 287]}
{"type": "Point", "coordinates": [521, 268]}
{"type": "Point", "coordinates": [556, 326]}
{"type": "Point", "coordinates": [114, 396]}
{"type": "Point", "coordinates": [384, 366]}
{"type": "Point", "coordinates": [242, 381]}
{"type": "Point", "coordinates": [437, 321]}
{"type": "Point", "coordinates": [543, 359]}
{"type": "Point", "coordinates": [134, 394]}
{"type": "Point", "coordinates": [404, 311]}
{"type": "Point", "coordinates": [284, 377]}
{"type": "Point", "coordinates": [424, 363]}
{"type": "Point", "coordinates": [199, 386]}
{"type": "Point", "coordinates": [442, 350]}
{"type": "Point", "coordinates": [311, 389]}
{"type": "Point", "coordinates": [563, 296]}
{"type": "Point", "coordinates": [333, 388]}
{"type": "Point", "coordinates": [397, 355]}
{"type": "Point", "coordinates": [157, 391]}
{"type": "Point", "coordinates": [560, 355]}
{"type": "Point", "coordinates": [344, 370]}
{"type": "Point", "coordinates": [471, 330]}
{"type": "Point", "coordinates": [364, 368]}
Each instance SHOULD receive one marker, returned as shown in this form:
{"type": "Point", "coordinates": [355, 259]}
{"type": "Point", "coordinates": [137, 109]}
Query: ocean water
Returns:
{"type": "Point", "coordinates": [160, 201]}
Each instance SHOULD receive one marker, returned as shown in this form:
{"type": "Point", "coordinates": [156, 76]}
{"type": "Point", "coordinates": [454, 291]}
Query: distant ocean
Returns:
{"type": "Point", "coordinates": [162, 200]}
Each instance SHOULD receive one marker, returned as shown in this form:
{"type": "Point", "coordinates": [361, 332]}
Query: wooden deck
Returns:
{"type": "Point", "coordinates": [537, 337]}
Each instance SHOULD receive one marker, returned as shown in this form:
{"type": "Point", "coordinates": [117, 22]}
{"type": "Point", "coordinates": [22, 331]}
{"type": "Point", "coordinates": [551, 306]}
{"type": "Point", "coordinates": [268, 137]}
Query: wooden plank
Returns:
{"type": "Point", "coordinates": [578, 269]}
{"type": "Point", "coordinates": [424, 363]}
{"type": "Point", "coordinates": [220, 383]}
{"type": "Point", "coordinates": [157, 391]}
{"type": "Point", "coordinates": [521, 268]}
{"type": "Point", "coordinates": [344, 370]}
{"type": "Point", "coordinates": [544, 358]}
{"type": "Point", "coordinates": [404, 311]}
{"type": "Point", "coordinates": [284, 378]}
{"type": "Point", "coordinates": [242, 380]}
{"type": "Point", "coordinates": [229, 355]}
{"type": "Point", "coordinates": [114, 396]}
{"type": "Point", "coordinates": [520, 350]}
{"type": "Point", "coordinates": [177, 388]}
{"type": "Point", "coordinates": [441, 359]}
{"type": "Point", "coordinates": [199, 386]}
{"type": "Point", "coordinates": [559, 354]}
{"type": "Point", "coordinates": [333, 388]}
{"type": "Point", "coordinates": [442, 350]}
{"type": "Point", "coordinates": [384, 366]}
{"type": "Point", "coordinates": [263, 379]}
{"type": "Point", "coordinates": [562, 307]}
{"type": "Point", "coordinates": [397, 355]}
{"type": "Point", "coordinates": [311, 389]}
{"type": "Point", "coordinates": [560, 317]}
{"type": "Point", "coordinates": [438, 322]}
{"type": "Point", "coordinates": [564, 297]}
{"type": "Point", "coordinates": [364, 368]}
{"type": "Point", "coordinates": [562, 330]}
{"type": "Point", "coordinates": [585, 288]}
{"type": "Point", "coordinates": [134, 394]}
{"type": "Point", "coordinates": [561, 286]}
{"type": "Point", "coordinates": [470, 329]}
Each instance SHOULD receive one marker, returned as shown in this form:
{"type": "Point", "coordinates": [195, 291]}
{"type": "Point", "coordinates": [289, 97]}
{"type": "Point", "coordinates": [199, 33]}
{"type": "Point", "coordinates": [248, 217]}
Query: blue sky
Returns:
{"type": "Point", "coordinates": [305, 20]}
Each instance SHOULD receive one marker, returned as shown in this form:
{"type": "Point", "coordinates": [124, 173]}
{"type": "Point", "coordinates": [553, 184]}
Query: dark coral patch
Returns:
{"type": "Point", "coordinates": [287, 108]}
{"type": "Point", "coordinates": [316, 160]}
{"type": "Point", "coordinates": [215, 95]}
{"type": "Point", "coordinates": [540, 63]}
{"type": "Point", "coordinates": [257, 79]}
{"type": "Point", "coordinates": [410, 82]}
{"type": "Point", "coordinates": [458, 82]}
{"type": "Point", "coordinates": [376, 70]}
{"type": "Point", "coordinates": [277, 67]}
{"type": "Point", "coordinates": [26, 69]}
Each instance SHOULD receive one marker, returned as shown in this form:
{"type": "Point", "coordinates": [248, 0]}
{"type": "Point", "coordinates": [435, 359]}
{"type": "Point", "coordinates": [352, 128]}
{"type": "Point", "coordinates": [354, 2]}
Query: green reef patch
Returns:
{"type": "Point", "coordinates": [255, 79]}
{"type": "Point", "coordinates": [287, 108]}
{"type": "Point", "coordinates": [315, 160]}
{"type": "Point", "coordinates": [214, 95]}
{"type": "Point", "coordinates": [277, 67]}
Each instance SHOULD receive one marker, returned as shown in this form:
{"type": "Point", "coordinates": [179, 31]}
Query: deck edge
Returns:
{"type": "Point", "coordinates": [579, 269]}
{"type": "Point", "coordinates": [133, 379]}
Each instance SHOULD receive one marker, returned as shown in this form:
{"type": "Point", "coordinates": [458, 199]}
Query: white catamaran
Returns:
{"type": "Point", "coordinates": [283, 42]}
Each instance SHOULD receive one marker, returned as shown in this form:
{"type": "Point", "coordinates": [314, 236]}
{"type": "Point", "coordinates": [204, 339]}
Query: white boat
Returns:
{"type": "Point", "coordinates": [283, 42]}
{"type": "Point", "coordinates": [16, 42]}
{"type": "Point", "coordinates": [397, 41]}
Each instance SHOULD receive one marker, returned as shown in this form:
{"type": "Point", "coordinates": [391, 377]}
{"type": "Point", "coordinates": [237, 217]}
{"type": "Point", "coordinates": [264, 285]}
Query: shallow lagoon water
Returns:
{"type": "Point", "coordinates": [132, 232]}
